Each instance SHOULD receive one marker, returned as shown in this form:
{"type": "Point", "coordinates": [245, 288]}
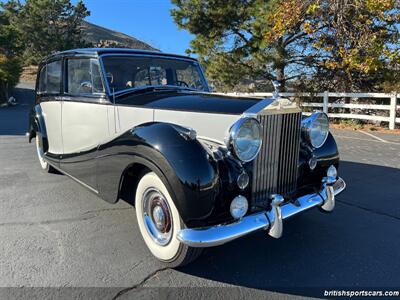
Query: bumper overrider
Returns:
{"type": "Point", "coordinates": [271, 221]}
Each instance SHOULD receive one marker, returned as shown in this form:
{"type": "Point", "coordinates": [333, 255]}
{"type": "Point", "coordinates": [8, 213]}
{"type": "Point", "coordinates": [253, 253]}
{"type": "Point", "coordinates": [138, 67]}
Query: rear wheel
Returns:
{"type": "Point", "coordinates": [40, 153]}
{"type": "Point", "coordinates": [159, 222]}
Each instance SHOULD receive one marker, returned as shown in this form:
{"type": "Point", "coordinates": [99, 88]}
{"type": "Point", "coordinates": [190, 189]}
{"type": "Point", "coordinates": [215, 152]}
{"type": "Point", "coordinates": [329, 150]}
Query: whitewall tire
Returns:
{"type": "Point", "coordinates": [159, 222]}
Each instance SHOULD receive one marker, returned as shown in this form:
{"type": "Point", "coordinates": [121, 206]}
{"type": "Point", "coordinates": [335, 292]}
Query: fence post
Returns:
{"type": "Point", "coordinates": [326, 102]}
{"type": "Point", "coordinates": [392, 116]}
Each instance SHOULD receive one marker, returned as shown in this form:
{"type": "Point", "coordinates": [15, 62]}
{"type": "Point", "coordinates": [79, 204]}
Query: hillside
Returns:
{"type": "Point", "coordinates": [103, 37]}
{"type": "Point", "coordinates": [99, 37]}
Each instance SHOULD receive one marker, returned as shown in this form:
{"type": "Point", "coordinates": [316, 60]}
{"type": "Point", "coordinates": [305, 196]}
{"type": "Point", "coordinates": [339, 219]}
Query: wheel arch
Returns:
{"type": "Point", "coordinates": [129, 181]}
{"type": "Point", "coordinates": [36, 123]}
{"type": "Point", "coordinates": [190, 174]}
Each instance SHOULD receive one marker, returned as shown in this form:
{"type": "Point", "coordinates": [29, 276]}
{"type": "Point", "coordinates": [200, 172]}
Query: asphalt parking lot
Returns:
{"type": "Point", "coordinates": [55, 233]}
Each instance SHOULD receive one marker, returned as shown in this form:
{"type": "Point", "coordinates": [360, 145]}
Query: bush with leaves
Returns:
{"type": "Point", "coordinates": [10, 50]}
{"type": "Point", "coordinates": [316, 44]}
{"type": "Point", "coordinates": [47, 26]}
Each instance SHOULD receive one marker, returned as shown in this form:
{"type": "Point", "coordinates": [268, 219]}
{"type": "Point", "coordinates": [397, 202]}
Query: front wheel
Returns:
{"type": "Point", "coordinates": [159, 222]}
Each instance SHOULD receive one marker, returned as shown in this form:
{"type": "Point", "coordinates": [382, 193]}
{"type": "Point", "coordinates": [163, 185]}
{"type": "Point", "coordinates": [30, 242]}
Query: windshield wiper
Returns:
{"type": "Point", "coordinates": [146, 89]}
{"type": "Point", "coordinates": [173, 88]}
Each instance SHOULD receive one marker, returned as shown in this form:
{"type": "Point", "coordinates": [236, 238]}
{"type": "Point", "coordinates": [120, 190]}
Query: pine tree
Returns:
{"type": "Point", "coordinates": [48, 26]}
{"type": "Point", "coordinates": [344, 44]}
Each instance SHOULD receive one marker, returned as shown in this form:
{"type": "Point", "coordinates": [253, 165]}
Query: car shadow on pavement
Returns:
{"type": "Point", "coordinates": [14, 120]}
{"type": "Point", "coordinates": [355, 246]}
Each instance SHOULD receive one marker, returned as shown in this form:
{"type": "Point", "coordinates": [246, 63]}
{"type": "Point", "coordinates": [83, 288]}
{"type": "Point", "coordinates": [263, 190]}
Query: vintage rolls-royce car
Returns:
{"type": "Point", "coordinates": [201, 169]}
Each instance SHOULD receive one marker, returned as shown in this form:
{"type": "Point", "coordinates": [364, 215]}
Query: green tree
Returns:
{"type": "Point", "coordinates": [358, 47]}
{"type": "Point", "coordinates": [48, 26]}
{"type": "Point", "coordinates": [254, 39]}
{"type": "Point", "coordinates": [10, 49]}
{"type": "Point", "coordinates": [346, 44]}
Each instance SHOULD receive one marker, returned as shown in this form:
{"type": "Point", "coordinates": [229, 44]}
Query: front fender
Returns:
{"type": "Point", "coordinates": [326, 156]}
{"type": "Point", "coordinates": [189, 172]}
{"type": "Point", "coordinates": [36, 123]}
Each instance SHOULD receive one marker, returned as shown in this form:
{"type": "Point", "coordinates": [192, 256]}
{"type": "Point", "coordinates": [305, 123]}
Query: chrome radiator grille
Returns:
{"type": "Point", "coordinates": [275, 168]}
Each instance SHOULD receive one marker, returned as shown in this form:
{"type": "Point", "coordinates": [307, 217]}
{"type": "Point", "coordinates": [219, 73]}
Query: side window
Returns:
{"type": "Point", "coordinates": [50, 78]}
{"type": "Point", "coordinates": [84, 76]}
{"type": "Point", "coordinates": [96, 76]}
{"type": "Point", "coordinates": [53, 77]}
{"type": "Point", "coordinates": [42, 80]}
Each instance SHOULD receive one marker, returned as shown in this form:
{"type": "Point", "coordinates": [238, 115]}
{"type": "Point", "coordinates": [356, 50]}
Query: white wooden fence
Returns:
{"type": "Point", "coordinates": [328, 96]}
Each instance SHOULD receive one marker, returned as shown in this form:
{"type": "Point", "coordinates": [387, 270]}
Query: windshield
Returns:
{"type": "Point", "coordinates": [130, 72]}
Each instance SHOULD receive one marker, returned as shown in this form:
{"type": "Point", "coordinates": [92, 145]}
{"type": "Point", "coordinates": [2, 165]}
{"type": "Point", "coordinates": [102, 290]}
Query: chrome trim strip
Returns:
{"type": "Point", "coordinates": [252, 111]}
{"type": "Point", "coordinates": [221, 234]}
{"type": "Point", "coordinates": [201, 137]}
{"type": "Point", "coordinates": [218, 235]}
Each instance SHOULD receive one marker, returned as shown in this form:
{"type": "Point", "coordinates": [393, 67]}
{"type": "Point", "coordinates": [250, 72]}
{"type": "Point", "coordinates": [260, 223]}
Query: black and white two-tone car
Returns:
{"type": "Point", "coordinates": [201, 169]}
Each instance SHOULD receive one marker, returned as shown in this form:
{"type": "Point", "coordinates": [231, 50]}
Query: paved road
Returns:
{"type": "Point", "coordinates": [55, 233]}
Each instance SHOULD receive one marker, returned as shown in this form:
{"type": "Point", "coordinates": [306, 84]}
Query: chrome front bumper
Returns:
{"type": "Point", "coordinates": [268, 220]}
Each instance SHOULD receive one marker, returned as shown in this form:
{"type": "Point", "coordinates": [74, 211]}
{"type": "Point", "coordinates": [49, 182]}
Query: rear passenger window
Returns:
{"type": "Point", "coordinates": [84, 76]}
{"type": "Point", "coordinates": [50, 78]}
{"type": "Point", "coordinates": [54, 77]}
{"type": "Point", "coordinates": [42, 80]}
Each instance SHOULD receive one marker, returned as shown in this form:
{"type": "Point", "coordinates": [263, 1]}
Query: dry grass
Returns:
{"type": "Point", "coordinates": [352, 125]}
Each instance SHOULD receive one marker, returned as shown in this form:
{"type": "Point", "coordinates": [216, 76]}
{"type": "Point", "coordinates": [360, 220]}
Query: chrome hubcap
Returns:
{"type": "Point", "coordinates": [157, 216]}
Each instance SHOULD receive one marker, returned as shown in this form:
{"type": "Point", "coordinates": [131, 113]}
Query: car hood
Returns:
{"type": "Point", "coordinates": [188, 101]}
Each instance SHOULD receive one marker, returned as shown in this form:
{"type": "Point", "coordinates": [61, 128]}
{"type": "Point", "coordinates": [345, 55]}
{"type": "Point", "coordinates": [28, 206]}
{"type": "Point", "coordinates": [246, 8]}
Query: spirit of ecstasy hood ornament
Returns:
{"type": "Point", "coordinates": [278, 88]}
{"type": "Point", "coordinates": [279, 102]}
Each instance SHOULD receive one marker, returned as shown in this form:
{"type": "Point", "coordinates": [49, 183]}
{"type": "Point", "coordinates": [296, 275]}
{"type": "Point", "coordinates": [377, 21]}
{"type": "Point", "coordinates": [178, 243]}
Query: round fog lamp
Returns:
{"type": "Point", "coordinates": [332, 172]}
{"type": "Point", "coordinates": [239, 206]}
{"type": "Point", "coordinates": [243, 180]}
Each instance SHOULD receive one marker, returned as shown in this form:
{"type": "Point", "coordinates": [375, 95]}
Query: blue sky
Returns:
{"type": "Point", "coordinates": [146, 20]}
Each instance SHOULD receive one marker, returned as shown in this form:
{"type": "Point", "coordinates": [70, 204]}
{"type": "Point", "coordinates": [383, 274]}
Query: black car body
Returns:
{"type": "Point", "coordinates": [229, 165]}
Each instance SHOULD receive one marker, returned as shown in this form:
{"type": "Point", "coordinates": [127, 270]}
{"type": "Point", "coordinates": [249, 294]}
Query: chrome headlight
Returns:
{"type": "Point", "coordinates": [316, 129]}
{"type": "Point", "coordinates": [244, 139]}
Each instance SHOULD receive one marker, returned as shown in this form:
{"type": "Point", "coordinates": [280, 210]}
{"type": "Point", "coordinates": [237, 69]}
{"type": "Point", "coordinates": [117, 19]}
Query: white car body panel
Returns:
{"type": "Point", "coordinates": [51, 111]}
{"type": "Point", "coordinates": [130, 116]}
{"type": "Point", "coordinates": [84, 125]}
{"type": "Point", "coordinates": [213, 126]}
{"type": "Point", "coordinates": [69, 134]}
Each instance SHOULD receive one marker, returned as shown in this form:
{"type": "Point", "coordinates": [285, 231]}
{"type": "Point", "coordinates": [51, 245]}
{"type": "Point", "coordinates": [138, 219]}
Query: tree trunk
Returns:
{"type": "Point", "coordinates": [280, 76]}
{"type": "Point", "coordinates": [280, 63]}
{"type": "Point", "coordinates": [2, 92]}
{"type": "Point", "coordinates": [7, 90]}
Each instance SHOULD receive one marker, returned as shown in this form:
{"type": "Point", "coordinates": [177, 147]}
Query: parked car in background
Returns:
{"type": "Point", "coordinates": [201, 169]}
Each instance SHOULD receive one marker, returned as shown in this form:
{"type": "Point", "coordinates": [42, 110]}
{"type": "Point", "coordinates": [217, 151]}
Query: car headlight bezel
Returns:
{"type": "Point", "coordinates": [317, 119]}
{"type": "Point", "coordinates": [235, 131]}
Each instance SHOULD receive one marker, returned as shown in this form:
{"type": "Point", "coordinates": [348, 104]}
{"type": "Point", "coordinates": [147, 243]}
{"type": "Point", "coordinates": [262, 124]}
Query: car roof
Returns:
{"type": "Point", "coordinates": [99, 51]}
